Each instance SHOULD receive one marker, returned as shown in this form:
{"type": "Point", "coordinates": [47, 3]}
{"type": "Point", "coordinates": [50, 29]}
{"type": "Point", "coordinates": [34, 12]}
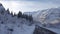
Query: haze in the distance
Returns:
{"type": "Point", "coordinates": [29, 5]}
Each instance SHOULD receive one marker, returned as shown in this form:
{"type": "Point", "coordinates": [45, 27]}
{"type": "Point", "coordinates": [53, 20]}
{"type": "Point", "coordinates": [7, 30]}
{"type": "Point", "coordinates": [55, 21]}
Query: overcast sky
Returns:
{"type": "Point", "coordinates": [29, 5]}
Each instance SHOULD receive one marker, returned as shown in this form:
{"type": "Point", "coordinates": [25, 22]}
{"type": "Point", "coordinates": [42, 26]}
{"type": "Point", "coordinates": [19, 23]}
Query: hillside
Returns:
{"type": "Point", "coordinates": [19, 24]}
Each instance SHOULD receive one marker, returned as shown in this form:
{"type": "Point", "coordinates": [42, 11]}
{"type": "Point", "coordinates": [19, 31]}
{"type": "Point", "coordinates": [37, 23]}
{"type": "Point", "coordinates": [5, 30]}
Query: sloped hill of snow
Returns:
{"type": "Point", "coordinates": [14, 29]}
{"type": "Point", "coordinates": [24, 30]}
{"type": "Point", "coordinates": [13, 25]}
{"type": "Point", "coordinates": [48, 16]}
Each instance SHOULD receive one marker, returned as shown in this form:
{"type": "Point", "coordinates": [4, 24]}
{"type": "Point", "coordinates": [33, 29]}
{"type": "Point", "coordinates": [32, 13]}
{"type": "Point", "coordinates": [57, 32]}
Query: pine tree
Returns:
{"type": "Point", "coordinates": [15, 14]}
{"type": "Point", "coordinates": [30, 18]}
{"type": "Point", "coordinates": [23, 16]}
{"type": "Point", "coordinates": [0, 4]}
{"type": "Point", "coordinates": [2, 12]}
{"type": "Point", "coordinates": [8, 11]}
{"type": "Point", "coordinates": [12, 14]}
{"type": "Point", "coordinates": [19, 14]}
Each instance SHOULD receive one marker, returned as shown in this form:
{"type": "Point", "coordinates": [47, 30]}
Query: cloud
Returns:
{"type": "Point", "coordinates": [46, 1]}
{"type": "Point", "coordinates": [30, 5]}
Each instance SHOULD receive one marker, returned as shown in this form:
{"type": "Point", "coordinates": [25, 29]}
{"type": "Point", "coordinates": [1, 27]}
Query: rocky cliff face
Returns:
{"type": "Point", "coordinates": [40, 30]}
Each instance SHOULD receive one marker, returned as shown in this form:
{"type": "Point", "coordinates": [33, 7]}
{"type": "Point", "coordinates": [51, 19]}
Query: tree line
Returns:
{"type": "Point", "coordinates": [27, 17]}
{"type": "Point", "coordinates": [21, 15]}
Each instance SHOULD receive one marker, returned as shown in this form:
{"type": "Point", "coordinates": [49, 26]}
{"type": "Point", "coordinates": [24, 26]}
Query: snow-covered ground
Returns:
{"type": "Point", "coordinates": [24, 30]}
{"type": "Point", "coordinates": [14, 25]}
{"type": "Point", "coordinates": [56, 30]}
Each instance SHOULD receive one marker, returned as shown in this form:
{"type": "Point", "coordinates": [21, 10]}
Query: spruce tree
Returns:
{"type": "Point", "coordinates": [19, 14]}
{"type": "Point", "coordinates": [8, 11]}
{"type": "Point", "coordinates": [30, 18]}
{"type": "Point", "coordinates": [12, 14]}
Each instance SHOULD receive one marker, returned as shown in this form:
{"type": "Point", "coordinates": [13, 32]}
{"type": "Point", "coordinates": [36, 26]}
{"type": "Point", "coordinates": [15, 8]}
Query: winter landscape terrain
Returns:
{"type": "Point", "coordinates": [40, 22]}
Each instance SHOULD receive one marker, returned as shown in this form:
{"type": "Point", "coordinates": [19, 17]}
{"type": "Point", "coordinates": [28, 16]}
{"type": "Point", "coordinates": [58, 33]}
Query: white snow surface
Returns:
{"type": "Point", "coordinates": [24, 30]}
{"type": "Point", "coordinates": [19, 25]}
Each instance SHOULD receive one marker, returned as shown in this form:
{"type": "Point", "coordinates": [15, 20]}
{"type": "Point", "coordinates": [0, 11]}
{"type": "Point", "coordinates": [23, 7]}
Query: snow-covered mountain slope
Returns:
{"type": "Point", "coordinates": [48, 16]}
{"type": "Point", "coordinates": [13, 25]}
{"type": "Point", "coordinates": [34, 14]}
